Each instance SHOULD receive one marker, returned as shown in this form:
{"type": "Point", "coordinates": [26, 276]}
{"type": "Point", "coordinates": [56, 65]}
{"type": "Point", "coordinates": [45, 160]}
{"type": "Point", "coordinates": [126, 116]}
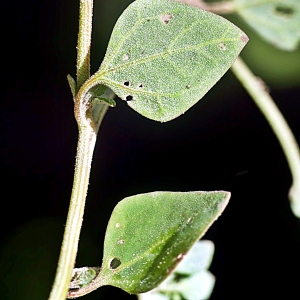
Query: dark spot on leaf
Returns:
{"type": "Point", "coordinates": [222, 46]}
{"type": "Point", "coordinates": [284, 10]}
{"type": "Point", "coordinates": [114, 263]}
{"type": "Point", "coordinates": [141, 86]}
{"type": "Point", "coordinates": [166, 18]}
{"type": "Point", "coordinates": [148, 20]}
{"type": "Point", "coordinates": [126, 83]}
{"type": "Point", "coordinates": [193, 55]}
{"type": "Point", "coordinates": [188, 86]}
{"type": "Point", "coordinates": [129, 98]}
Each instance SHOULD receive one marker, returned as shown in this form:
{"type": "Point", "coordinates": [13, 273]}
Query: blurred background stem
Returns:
{"type": "Point", "coordinates": [259, 93]}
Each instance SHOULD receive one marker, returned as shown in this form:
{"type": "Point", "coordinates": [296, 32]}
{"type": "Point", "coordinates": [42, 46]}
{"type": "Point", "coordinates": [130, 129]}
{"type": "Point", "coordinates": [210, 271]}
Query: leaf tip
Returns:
{"type": "Point", "coordinates": [224, 202]}
{"type": "Point", "coordinates": [244, 39]}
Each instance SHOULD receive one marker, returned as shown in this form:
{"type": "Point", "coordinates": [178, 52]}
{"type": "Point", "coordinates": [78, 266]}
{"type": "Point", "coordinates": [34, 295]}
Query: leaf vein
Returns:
{"type": "Point", "coordinates": [125, 37]}
{"type": "Point", "coordinates": [101, 72]}
{"type": "Point", "coordinates": [184, 31]}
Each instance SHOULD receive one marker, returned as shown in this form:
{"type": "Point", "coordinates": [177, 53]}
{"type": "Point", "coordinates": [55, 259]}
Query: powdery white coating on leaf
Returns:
{"type": "Point", "coordinates": [171, 55]}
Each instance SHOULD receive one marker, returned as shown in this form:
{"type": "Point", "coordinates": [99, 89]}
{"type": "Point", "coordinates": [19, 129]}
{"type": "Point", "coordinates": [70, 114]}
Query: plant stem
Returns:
{"type": "Point", "coordinates": [86, 142]}
{"type": "Point", "coordinates": [257, 90]}
{"type": "Point", "coordinates": [84, 41]}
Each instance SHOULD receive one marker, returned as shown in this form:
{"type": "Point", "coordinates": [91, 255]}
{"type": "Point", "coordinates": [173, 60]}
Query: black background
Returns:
{"type": "Point", "coordinates": [222, 143]}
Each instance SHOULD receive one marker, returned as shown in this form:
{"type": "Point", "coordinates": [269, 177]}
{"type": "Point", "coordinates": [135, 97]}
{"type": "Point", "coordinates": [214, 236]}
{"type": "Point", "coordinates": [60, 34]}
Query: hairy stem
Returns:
{"type": "Point", "coordinates": [86, 143]}
{"type": "Point", "coordinates": [84, 41]}
{"type": "Point", "coordinates": [256, 89]}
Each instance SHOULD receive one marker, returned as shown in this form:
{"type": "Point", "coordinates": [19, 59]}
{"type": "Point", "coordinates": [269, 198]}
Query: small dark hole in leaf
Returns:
{"type": "Point", "coordinates": [188, 86]}
{"type": "Point", "coordinates": [114, 263]}
{"type": "Point", "coordinates": [284, 10]}
{"type": "Point", "coordinates": [166, 18]}
{"type": "Point", "coordinates": [141, 86]}
{"type": "Point", "coordinates": [129, 98]}
{"type": "Point", "coordinates": [126, 83]}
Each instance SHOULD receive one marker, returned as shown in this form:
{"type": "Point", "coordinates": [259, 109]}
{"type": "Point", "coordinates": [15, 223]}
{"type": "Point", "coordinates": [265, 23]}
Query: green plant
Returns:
{"type": "Point", "coordinates": [160, 78]}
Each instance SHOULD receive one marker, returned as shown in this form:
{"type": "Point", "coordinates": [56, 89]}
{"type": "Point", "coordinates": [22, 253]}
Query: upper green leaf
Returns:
{"type": "Point", "coordinates": [149, 234]}
{"type": "Point", "coordinates": [278, 22]}
{"type": "Point", "coordinates": [163, 56]}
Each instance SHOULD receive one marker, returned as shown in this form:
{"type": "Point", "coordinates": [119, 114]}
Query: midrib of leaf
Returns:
{"type": "Point", "coordinates": [101, 73]}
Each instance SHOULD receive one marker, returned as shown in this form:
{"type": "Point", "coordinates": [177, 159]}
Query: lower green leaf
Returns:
{"type": "Point", "coordinates": [149, 234]}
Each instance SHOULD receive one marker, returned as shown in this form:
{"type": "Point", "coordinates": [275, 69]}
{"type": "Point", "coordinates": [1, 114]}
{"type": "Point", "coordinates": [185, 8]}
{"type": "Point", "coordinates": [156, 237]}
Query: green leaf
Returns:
{"type": "Point", "coordinates": [163, 56]}
{"type": "Point", "coordinates": [149, 234]}
{"type": "Point", "coordinates": [190, 280]}
{"type": "Point", "coordinates": [277, 22]}
{"type": "Point", "coordinates": [72, 85]}
{"type": "Point", "coordinates": [104, 100]}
